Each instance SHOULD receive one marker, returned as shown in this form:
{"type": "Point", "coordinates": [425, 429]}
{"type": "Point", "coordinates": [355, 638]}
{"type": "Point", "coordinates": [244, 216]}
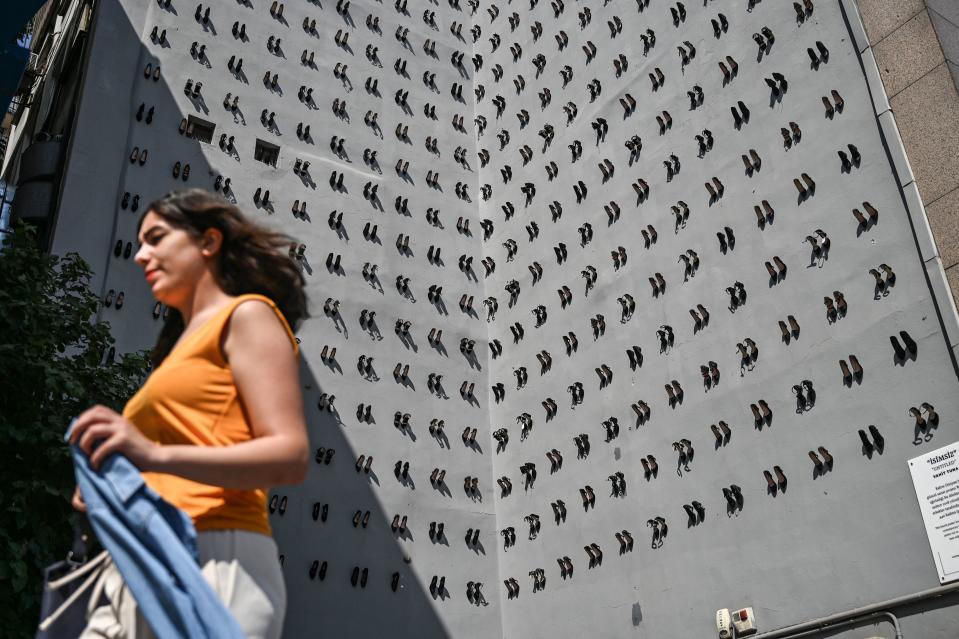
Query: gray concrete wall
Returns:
{"type": "Point", "coordinates": [302, 540]}
{"type": "Point", "coordinates": [748, 557]}
{"type": "Point", "coordinates": [97, 162]}
{"type": "Point", "coordinates": [828, 543]}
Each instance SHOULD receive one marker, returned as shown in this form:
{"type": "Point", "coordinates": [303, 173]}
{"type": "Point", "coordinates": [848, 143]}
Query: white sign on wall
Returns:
{"type": "Point", "coordinates": [935, 477]}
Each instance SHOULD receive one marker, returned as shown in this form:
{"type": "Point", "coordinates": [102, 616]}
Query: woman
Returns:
{"type": "Point", "coordinates": [220, 418]}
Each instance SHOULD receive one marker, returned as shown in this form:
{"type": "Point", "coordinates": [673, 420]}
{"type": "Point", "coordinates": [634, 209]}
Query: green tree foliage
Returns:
{"type": "Point", "coordinates": [52, 368]}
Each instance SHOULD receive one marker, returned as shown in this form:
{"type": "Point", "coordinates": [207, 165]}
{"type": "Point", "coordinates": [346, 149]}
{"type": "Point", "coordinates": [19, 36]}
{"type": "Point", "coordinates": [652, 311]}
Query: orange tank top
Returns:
{"type": "Point", "coordinates": [190, 398]}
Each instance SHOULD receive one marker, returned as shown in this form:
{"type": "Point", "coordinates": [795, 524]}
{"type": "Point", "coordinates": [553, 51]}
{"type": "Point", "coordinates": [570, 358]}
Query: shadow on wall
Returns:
{"type": "Point", "coordinates": [163, 139]}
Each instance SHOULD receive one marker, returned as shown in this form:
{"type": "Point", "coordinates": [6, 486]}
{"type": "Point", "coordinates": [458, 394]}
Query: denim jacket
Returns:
{"type": "Point", "coordinates": [153, 545]}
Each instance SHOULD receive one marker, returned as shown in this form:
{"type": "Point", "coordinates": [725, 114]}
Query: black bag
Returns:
{"type": "Point", "coordinates": [68, 587]}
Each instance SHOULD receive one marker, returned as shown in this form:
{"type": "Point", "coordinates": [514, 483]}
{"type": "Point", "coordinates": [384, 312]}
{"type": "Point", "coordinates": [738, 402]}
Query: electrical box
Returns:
{"type": "Point", "coordinates": [744, 622]}
{"type": "Point", "coordinates": [724, 624]}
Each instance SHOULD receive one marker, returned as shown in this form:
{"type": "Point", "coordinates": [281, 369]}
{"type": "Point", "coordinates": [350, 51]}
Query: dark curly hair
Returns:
{"type": "Point", "coordinates": [253, 258]}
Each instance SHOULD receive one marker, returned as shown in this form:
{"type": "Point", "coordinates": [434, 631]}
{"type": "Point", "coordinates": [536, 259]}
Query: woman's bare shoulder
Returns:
{"type": "Point", "coordinates": [254, 322]}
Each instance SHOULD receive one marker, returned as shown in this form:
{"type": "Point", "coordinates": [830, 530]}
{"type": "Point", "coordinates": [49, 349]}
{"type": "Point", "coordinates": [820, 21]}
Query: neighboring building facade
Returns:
{"type": "Point", "coordinates": [719, 179]}
{"type": "Point", "coordinates": [39, 123]}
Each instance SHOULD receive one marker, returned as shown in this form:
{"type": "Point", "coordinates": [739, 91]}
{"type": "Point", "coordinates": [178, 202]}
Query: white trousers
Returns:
{"type": "Point", "coordinates": [243, 569]}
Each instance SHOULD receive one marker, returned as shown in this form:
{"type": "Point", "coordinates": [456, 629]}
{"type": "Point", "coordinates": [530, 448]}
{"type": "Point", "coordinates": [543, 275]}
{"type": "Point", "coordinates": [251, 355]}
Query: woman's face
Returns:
{"type": "Point", "coordinates": [173, 261]}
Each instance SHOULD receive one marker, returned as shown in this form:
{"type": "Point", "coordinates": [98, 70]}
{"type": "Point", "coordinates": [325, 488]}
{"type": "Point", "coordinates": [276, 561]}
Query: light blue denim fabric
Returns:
{"type": "Point", "coordinates": [153, 545]}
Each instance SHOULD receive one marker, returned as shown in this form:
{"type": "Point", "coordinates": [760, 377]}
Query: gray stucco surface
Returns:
{"type": "Point", "coordinates": [847, 538]}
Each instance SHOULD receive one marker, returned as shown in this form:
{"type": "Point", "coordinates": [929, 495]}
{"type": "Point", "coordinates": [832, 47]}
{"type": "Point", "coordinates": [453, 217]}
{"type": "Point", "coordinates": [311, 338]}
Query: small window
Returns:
{"type": "Point", "coordinates": [266, 152]}
{"type": "Point", "coordinates": [200, 129]}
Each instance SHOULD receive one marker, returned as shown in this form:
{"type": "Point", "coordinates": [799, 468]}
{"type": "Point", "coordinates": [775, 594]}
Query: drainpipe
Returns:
{"type": "Point", "coordinates": [848, 622]}
{"type": "Point", "coordinates": [860, 614]}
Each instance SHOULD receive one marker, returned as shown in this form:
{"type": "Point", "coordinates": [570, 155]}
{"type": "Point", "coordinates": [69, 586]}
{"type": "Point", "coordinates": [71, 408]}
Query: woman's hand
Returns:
{"type": "Point", "coordinates": [116, 433]}
{"type": "Point", "coordinates": [77, 502]}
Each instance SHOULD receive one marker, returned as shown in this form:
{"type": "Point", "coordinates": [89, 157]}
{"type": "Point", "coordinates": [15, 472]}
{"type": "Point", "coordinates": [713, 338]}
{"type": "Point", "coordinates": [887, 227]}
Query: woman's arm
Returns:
{"type": "Point", "coordinates": [266, 375]}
